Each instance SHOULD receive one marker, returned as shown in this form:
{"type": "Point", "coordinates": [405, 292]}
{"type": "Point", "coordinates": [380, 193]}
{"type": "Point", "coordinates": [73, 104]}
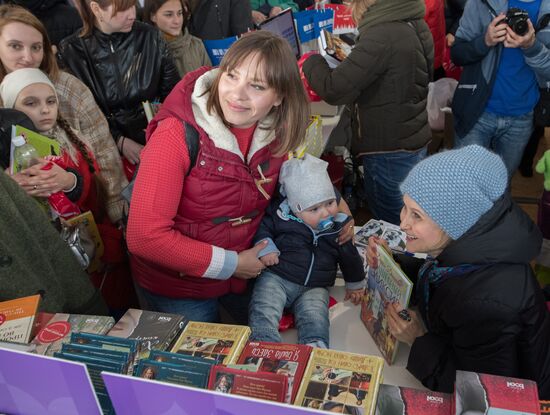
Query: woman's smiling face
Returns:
{"type": "Point", "coordinates": [423, 234]}
{"type": "Point", "coordinates": [244, 95]}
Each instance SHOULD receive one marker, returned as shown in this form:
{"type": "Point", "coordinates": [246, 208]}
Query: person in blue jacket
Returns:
{"type": "Point", "coordinates": [302, 255]}
{"type": "Point", "coordinates": [505, 61]}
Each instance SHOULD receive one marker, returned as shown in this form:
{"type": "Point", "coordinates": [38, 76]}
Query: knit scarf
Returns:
{"type": "Point", "coordinates": [391, 11]}
{"type": "Point", "coordinates": [431, 275]}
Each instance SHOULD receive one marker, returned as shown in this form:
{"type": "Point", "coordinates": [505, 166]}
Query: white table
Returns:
{"type": "Point", "coordinates": [347, 333]}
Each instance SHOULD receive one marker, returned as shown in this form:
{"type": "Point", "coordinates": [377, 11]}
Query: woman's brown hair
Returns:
{"type": "Point", "coordinates": [88, 17]}
{"type": "Point", "coordinates": [280, 73]}
{"type": "Point", "coordinates": [151, 7]}
{"type": "Point", "coordinates": [17, 14]}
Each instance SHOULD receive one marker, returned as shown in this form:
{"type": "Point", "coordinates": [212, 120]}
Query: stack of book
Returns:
{"type": "Point", "coordinates": [101, 353]}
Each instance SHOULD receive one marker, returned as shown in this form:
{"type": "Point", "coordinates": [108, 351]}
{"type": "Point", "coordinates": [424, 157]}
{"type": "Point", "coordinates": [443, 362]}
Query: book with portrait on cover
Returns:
{"type": "Point", "coordinates": [340, 382]}
{"type": "Point", "coordinates": [385, 285]}
{"type": "Point", "coordinates": [212, 340]}
{"type": "Point", "coordinates": [261, 385]}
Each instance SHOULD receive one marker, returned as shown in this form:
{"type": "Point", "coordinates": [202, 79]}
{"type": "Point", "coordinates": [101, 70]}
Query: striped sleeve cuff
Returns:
{"type": "Point", "coordinates": [222, 265]}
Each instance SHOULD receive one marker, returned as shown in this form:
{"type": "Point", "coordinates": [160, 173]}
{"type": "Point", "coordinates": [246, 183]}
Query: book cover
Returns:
{"type": "Point", "coordinates": [154, 330]}
{"type": "Point", "coordinates": [482, 394]}
{"type": "Point", "coordinates": [17, 318]}
{"type": "Point", "coordinates": [544, 407]}
{"type": "Point", "coordinates": [340, 381]}
{"type": "Point", "coordinates": [289, 359]}
{"type": "Point", "coordinates": [385, 284]}
{"type": "Point", "coordinates": [130, 346]}
{"type": "Point", "coordinates": [392, 234]}
{"type": "Point", "coordinates": [188, 375]}
{"type": "Point", "coordinates": [212, 340]}
{"type": "Point", "coordinates": [332, 48]}
{"type": "Point", "coordinates": [260, 385]}
{"type": "Point", "coordinates": [394, 400]}
{"type": "Point", "coordinates": [183, 359]}
{"type": "Point", "coordinates": [92, 351]}
{"type": "Point", "coordinates": [95, 366]}
{"type": "Point", "coordinates": [59, 329]}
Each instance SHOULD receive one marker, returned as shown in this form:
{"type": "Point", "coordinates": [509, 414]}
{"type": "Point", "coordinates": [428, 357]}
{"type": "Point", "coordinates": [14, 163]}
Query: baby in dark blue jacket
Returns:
{"type": "Point", "coordinates": [302, 255]}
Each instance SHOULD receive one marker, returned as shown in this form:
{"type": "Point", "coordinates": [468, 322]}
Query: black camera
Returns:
{"type": "Point", "coordinates": [517, 20]}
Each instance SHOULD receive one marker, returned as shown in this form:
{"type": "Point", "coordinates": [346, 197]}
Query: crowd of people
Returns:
{"type": "Point", "coordinates": [222, 219]}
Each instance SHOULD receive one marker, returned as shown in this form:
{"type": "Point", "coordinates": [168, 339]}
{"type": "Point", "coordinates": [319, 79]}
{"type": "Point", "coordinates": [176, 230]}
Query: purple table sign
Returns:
{"type": "Point", "coordinates": [136, 396]}
{"type": "Point", "coordinates": [33, 384]}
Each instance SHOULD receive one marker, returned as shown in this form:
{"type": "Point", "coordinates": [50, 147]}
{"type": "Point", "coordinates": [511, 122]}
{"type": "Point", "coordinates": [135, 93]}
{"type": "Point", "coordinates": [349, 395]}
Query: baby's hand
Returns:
{"type": "Point", "coordinates": [270, 259]}
{"type": "Point", "coordinates": [354, 296]}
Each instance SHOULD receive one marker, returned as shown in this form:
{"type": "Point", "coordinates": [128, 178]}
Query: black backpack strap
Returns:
{"type": "Point", "coordinates": [192, 141]}
{"type": "Point", "coordinates": [543, 22]}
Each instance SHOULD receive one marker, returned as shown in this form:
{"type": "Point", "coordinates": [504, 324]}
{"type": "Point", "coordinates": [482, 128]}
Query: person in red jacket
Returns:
{"type": "Point", "coordinates": [435, 18]}
{"type": "Point", "coordinates": [190, 227]}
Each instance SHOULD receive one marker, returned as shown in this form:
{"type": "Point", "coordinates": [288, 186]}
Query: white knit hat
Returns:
{"type": "Point", "coordinates": [15, 81]}
{"type": "Point", "coordinates": [305, 182]}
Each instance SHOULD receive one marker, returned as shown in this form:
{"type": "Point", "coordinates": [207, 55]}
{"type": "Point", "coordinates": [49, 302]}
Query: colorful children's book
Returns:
{"type": "Point", "coordinates": [17, 318]}
{"type": "Point", "coordinates": [59, 329]}
{"type": "Point", "coordinates": [153, 329]}
{"type": "Point", "coordinates": [289, 359]}
{"type": "Point", "coordinates": [394, 400]}
{"type": "Point", "coordinates": [340, 382]}
{"type": "Point", "coordinates": [212, 340]}
{"type": "Point", "coordinates": [385, 285]}
{"type": "Point", "coordinates": [260, 385]}
{"type": "Point", "coordinates": [188, 374]}
{"type": "Point", "coordinates": [482, 394]}
{"type": "Point", "coordinates": [332, 48]}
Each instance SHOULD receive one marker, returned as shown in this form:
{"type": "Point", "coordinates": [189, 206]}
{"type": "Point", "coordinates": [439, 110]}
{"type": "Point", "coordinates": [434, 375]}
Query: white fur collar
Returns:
{"type": "Point", "coordinates": [214, 126]}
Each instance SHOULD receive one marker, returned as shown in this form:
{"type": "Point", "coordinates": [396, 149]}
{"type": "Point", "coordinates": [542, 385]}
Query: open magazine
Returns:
{"type": "Point", "coordinates": [332, 48]}
{"type": "Point", "coordinates": [394, 236]}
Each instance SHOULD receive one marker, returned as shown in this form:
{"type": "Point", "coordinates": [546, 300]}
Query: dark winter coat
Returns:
{"type": "Point", "coordinates": [35, 260]}
{"type": "Point", "coordinates": [218, 19]}
{"type": "Point", "coordinates": [122, 70]}
{"type": "Point", "coordinates": [385, 78]}
{"type": "Point", "coordinates": [493, 320]}
{"type": "Point", "coordinates": [308, 258]}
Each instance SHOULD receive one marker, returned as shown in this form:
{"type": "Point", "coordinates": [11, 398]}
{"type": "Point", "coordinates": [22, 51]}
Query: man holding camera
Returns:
{"type": "Point", "coordinates": [505, 60]}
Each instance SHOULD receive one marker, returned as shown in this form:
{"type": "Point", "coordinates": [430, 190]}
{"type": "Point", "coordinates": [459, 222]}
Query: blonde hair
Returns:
{"type": "Point", "coordinates": [88, 17]}
{"type": "Point", "coordinates": [281, 73]}
{"type": "Point", "coordinates": [17, 14]}
{"type": "Point", "coordinates": [359, 7]}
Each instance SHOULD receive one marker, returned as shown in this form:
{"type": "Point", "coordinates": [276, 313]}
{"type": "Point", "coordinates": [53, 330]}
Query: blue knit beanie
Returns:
{"type": "Point", "coordinates": [456, 187]}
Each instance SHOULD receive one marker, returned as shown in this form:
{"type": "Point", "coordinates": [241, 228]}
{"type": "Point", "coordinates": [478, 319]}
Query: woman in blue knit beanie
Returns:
{"type": "Point", "coordinates": [480, 307]}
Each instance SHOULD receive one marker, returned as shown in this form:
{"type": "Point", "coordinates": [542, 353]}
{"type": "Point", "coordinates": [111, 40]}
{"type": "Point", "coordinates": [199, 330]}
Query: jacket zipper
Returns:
{"type": "Point", "coordinates": [473, 87]}
{"type": "Point", "coordinates": [315, 243]}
